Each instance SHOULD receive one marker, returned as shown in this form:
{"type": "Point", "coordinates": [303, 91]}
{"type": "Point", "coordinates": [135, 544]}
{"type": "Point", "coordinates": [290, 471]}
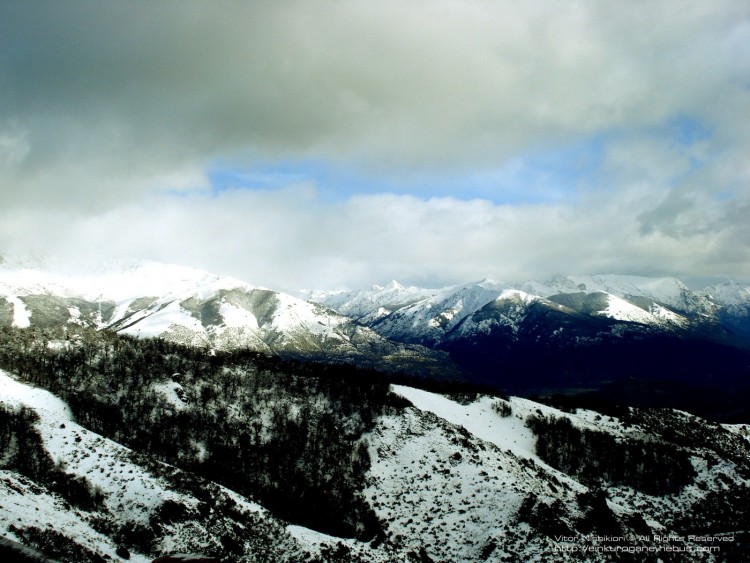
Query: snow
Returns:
{"type": "Point", "coordinates": [431, 317]}
{"type": "Point", "coordinates": [148, 298]}
{"type": "Point", "coordinates": [237, 317]}
{"type": "Point", "coordinates": [168, 286]}
{"type": "Point", "coordinates": [623, 311]}
{"type": "Point", "coordinates": [451, 478]}
{"type": "Point", "coordinates": [358, 304]}
{"type": "Point", "coordinates": [23, 501]}
{"type": "Point", "coordinates": [728, 293]}
{"type": "Point", "coordinates": [128, 489]}
{"type": "Point", "coordinates": [170, 390]}
{"type": "Point", "coordinates": [292, 313]}
{"type": "Point", "coordinates": [479, 418]}
{"type": "Point", "coordinates": [310, 538]}
{"type": "Point", "coordinates": [126, 282]}
{"type": "Point", "coordinates": [509, 433]}
{"type": "Point", "coordinates": [432, 498]}
{"type": "Point", "coordinates": [314, 542]}
{"type": "Point", "coordinates": [440, 460]}
{"type": "Point", "coordinates": [14, 393]}
{"type": "Point", "coordinates": [664, 290]}
{"type": "Point", "coordinates": [117, 281]}
{"type": "Point", "coordinates": [163, 320]}
{"type": "Point", "coordinates": [131, 491]}
{"type": "Point", "coordinates": [21, 316]}
{"type": "Point", "coordinates": [518, 295]}
{"type": "Point", "coordinates": [742, 430]}
{"type": "Point", "coordinates": [663, 314]}
{"type": "Point", "coordinates": [8, 291]}
{"type": "Point", "coordinates": [105, 464]}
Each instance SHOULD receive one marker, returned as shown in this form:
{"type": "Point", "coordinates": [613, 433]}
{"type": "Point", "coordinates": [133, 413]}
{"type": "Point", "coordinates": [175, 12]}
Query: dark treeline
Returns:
{"type": "Point", "coordinates": [597, 459]}
{"type": "Point", "coordinates": [287, 434]}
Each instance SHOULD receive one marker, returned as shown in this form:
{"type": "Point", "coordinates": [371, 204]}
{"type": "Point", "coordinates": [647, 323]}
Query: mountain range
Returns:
{"type": "Point", "coordinates": [652, 340]}
{"type": "Point", "coordinates": [435, 316]}
{"type": "Point", "coordinates": [151, 412]}
{"type": "Point", "coordinates": [578, 334]}
{"type": "Point", "coordinates": [197, 308]}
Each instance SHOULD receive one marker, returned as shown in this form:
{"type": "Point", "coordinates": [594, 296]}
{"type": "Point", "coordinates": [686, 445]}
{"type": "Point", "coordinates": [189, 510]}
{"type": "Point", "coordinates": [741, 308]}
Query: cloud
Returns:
{"type": "Point", "coordinates": [394, 83]}
{"type": "Point", "coordinates": [114, 115]}
{"type": "Point", "coordinates": [289, 239]}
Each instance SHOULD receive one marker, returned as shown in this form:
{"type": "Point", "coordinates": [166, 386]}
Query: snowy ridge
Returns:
{"type": "Point", "coordinates": [118, 281]}
{"type": "Point", "coordinates": [482, 419]}
{"type": "Point", "coordinates": [728, 293]}
{"type": "Point", "coordinates": [623, 310]}
{"type": "Point", "coordinates": [461, 478]}
{"type": "Point", "coordinates": [14, 393]}
{"type": "Point", "coordinates": [197, 308]}
{"type": "Point", "coordinates": [428, 320]}
{"type": "Point", "coordinates": [665, 290]}
{"type": "Point", "coordinates": [467, 310]}
{"type": "Point", "coordinates": [508, 310]}
{"type": "Point", "coordinates": [370, 305]}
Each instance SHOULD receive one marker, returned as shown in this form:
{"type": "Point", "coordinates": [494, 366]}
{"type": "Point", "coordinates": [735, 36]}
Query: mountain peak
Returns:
{"type": "Point", "coordinates": [393, 285]}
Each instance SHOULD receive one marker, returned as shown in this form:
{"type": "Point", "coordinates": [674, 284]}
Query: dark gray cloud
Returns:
{"type": "Point", "coordinates": [108, 109]}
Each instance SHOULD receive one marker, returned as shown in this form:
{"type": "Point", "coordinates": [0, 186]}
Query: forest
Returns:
{"type": "Point", "coordinates": [286, 434]}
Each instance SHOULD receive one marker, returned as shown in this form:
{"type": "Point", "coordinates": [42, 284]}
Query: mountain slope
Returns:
{"type": "Point", "coordinates": [507, 480]}
{"type": "Point", "coordinates": [428, 319]}
{"type": "Point", "coordinates": [459, 478]}
{"type": "Point", "coordinates": [582, 332]}
{"type": "Point", "coordinates": [78, 496]}
{"type": "Point", "coordinates": [197, 308]}
{"type": "Point", "coordinates": [369, 306]}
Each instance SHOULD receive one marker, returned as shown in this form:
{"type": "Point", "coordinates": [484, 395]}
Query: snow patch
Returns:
{"type": "Point", "coordinates": [621, 310]}
{"type": "Point", "coordinates": [172, 392]}
{"type": "Point", "coordinates": [237, 317]}
{"type": "Point", "coordinates": [14, 393]}
{"type": "Point", "coordinates": [479, 418]}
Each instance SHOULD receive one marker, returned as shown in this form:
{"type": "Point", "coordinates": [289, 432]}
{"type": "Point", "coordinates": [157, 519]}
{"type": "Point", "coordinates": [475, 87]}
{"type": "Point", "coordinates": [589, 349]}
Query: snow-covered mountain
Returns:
{"type": "Point", "coordinates": [416, 315]}
{"type": "Point", "coordinates": [565, 333]}
{"type": "Point", "coordinates": [429, 315]}
{"type": "Point", "coordinates": [369, 306]}
{"type": "Point", "coordinates": [197, 308]}
{"type": "Point", "coordinates": [727, 293]}
{"type": "Point", "coordinates": [571, 332]}
{"type": "Point", "coordinates": [664, 290]}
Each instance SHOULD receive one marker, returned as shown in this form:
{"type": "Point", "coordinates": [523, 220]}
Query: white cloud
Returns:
{"type": "Point", "coordinates": [289, 239]}
{"type": "Point", "coordinates": [118, 111]}
{"type": "Point", "coordinates": [13, 147]}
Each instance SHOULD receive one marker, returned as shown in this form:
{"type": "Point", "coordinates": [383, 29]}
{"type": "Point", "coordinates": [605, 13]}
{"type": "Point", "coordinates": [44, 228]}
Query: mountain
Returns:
{"type": "Point", "coordinates": [429, 316]}
{"type": "Point", "coordinates": [414, 315]}
{"type": "Point", "coordinates": [576, 333]}
{"type": "Point", "coordinates": [369, 306]}
{"type": "Point", "coordinates": [197, 308]}
{"type": "Point", "coordinates": [734, 300]}
{"type": "Point", "coordinates": [114, 448]}
{"type": "Point", "coordinates": [151, 412]}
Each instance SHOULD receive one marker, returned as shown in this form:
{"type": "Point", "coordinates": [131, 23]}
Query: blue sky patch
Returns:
{"type": "Point", "coordinates": [551, 174]}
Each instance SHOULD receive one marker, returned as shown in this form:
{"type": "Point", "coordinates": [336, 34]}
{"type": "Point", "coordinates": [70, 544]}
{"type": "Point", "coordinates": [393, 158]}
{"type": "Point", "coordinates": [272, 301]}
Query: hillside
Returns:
{"type": "Point", "coordinates": [245, 457]}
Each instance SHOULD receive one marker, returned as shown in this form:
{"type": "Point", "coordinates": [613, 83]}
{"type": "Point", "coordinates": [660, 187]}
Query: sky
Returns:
{"type": "Point", "coordinates": [339, 144]}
